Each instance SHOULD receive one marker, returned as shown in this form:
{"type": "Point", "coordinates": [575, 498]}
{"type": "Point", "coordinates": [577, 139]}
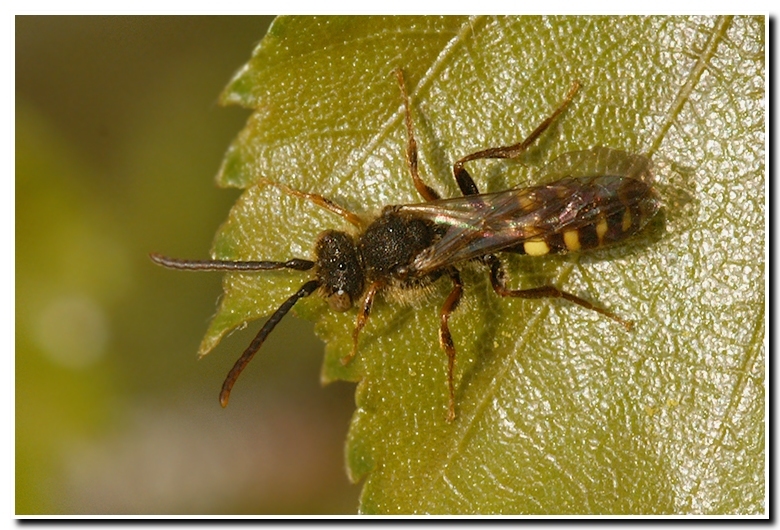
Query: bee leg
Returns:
{"type": "Point", "coordinates": [428, 193]}
{"type": "Point", "coordinates": [365, 312]}
{"type": "Point", "coordinates": [462, 177]}
{"type": "Point", "coordinates": [445, 337]}
{"type": "Point", "coordinates": [548, 291]}
{"type": "Point", "coordinates": [319, 200]}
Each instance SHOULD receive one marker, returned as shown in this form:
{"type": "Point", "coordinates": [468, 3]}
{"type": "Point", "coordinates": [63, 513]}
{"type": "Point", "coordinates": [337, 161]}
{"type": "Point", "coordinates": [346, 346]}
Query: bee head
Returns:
{"type": "Point", "coordinates": [339, 270]}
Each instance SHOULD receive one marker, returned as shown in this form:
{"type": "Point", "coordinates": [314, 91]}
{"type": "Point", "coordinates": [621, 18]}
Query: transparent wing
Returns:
{"type": "Point", "coordinates": [588, 186]}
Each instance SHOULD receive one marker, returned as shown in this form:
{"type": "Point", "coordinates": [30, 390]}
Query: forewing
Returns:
{"type": "Point", "coordinates": [487, 223]}
{"type": "Point", "coordinates": [477, 224]}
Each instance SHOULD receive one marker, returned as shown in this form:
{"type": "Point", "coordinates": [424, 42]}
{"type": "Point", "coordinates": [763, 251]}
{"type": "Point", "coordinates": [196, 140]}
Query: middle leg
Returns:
{"type": "Point", "coordinates": [445, 337]}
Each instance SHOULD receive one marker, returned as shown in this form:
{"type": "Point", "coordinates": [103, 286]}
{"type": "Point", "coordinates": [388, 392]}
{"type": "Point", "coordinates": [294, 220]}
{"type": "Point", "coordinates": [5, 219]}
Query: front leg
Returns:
{"type": "Point", "coordinates": [428, 193]}
{"type": "Point", "coordinates": [365, 312]}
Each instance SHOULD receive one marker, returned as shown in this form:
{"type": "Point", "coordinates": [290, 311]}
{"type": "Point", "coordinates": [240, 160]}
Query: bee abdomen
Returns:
{"type": "Point", "coordinates": [610, 210]}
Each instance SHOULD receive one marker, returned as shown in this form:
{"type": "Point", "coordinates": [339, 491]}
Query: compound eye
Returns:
{"type": "Point", "coordinates": [340, 301]}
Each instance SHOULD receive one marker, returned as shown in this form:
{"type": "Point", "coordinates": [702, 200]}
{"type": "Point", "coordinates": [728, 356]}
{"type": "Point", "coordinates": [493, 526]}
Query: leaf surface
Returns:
{"type": "Point", "coordinates": [559, 410]}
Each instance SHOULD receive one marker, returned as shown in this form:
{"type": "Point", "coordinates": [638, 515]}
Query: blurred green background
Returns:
{"type": "Point", "coordinates": [118, 138]}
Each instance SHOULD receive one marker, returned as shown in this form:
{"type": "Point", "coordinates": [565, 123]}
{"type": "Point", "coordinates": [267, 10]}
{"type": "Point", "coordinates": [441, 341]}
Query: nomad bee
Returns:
{"type": "Point", "coordinates": [592, 199]}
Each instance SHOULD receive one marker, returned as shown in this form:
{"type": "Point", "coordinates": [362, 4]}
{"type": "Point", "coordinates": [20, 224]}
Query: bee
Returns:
{"type": "Point", "coordinates": [591, 199]}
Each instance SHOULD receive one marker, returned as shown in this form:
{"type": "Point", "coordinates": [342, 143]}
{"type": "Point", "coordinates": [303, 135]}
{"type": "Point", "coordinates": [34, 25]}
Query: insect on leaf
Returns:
{"type": "Point", "coordinates": [559, 409]}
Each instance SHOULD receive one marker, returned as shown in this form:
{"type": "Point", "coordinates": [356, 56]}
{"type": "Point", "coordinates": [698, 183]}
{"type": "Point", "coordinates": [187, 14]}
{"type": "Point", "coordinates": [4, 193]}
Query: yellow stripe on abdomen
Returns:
{"type": "Point", "coordinates": [571, 238]}
{"type": "Point", "coordinates": [626, 220]}
{"type": "Point", "coordinates": [536, 247]}
{"type": "Point", "coordinates": [601, 229]}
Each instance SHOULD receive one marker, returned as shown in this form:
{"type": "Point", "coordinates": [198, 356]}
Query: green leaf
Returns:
{"type": "Point", "coordinates": [559, 409]}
